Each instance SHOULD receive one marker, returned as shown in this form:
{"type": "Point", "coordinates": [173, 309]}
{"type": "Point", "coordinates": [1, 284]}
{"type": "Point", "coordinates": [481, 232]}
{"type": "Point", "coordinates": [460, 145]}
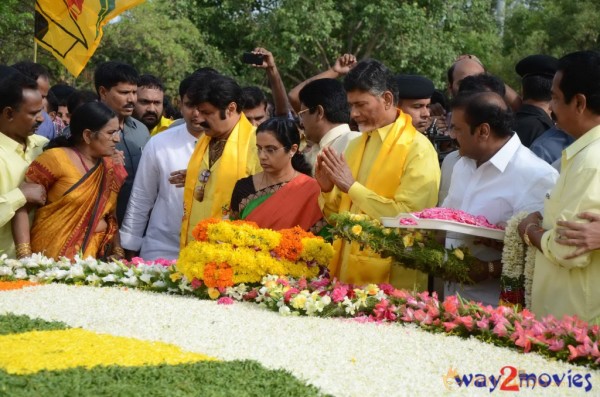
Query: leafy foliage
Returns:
{"type": "Point", "coordinates": [171, 38]}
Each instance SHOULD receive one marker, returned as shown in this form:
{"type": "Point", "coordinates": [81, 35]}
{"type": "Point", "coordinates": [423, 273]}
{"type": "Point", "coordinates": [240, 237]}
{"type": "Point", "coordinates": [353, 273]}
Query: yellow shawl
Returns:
{"type": "Point", "coordinates": [238, 160]}
{"type": "Point", "coordinates": [350, 263]}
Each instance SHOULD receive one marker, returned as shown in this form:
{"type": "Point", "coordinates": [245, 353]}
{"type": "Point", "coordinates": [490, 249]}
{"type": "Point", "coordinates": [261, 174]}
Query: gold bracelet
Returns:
{"type": "Point", "coordinates": [23, 250]}
{"type": "Point", "coordinates": [119, 251]}
{"type": "Point", "coordinates": [526, 238]}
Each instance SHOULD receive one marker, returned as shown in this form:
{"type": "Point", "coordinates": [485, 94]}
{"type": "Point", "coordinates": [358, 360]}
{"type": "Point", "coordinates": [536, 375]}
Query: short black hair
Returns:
{"type": "Point", "coordinates": [109, 74]}
{"type": "Point", "coordinates": [537, 88]}
{"type": "Point", "coordinates": [199, 75]}
{"type": "Point", "coordinates": [329, 94]}
{"type": "Point", "coordinates": [486, 107]}
{"type": "Point", "coordinates": [371, 76]}
{"type": "Point", "coordinates": [62, 92]}
{"type": "Point", "coordinates": [11, 90]}
{"type": "Point", "coordinates": [53, 102]}
{"type": "Point", "coordinates": [32, 70]}
{"type": "Point", "coordinates": [254, 97]}
{"type": "Point", "coordinates": [80, 97]}
{"type": "Point", "coordinates": [483, 82]}
{"type": "Point", "coordinates": [450, 74]}
{"type": "Point", "coordinates": [219, 91]}
{"type": "Point", "coordinates": [581, 75]}
{"type": "Point", "coordinates": [150, 81]}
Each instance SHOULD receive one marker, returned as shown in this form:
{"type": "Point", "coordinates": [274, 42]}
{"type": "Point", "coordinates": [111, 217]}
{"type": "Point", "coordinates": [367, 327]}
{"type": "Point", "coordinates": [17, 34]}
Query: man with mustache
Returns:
{"type": "Point", "coordinates": [225, 154]}
{"type": "Point", "coordinates": [20, 115]}
{"type": "Point", "coordinates": [414, 94]}
{"type": "Point", "coordinates": [149, 106]}
{"type": "Point", "coordinates": [116, 85]}
{"type": "Point", "coordinates": [156, 198]}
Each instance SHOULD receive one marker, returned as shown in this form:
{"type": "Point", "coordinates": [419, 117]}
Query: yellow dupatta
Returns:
{"type": "Point", "coordinates": [352, 264]}
{"type": "Point", "coordinates": [235, 163]}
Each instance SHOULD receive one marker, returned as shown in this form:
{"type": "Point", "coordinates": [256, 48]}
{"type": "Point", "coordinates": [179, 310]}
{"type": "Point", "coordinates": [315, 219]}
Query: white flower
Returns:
{"type": "Point", "coordinates": [5, 271]}
{"type": "Point", "coordinates": [60, 274]}
{"type": "Point", "coordinates": [109, 279]}
{"type": "Point", "coordinates": [147, 278]}
{"type": "Point", "coordinates": [21, 274]}
{"type": "Point", "coordinates": [77, 271]}
{"type": "Point", "coordinates": [160, 284]}
{"type": "Point", "coordinates": [93, 279]}
{"type": "Point", "coordinates": [131, 281]}
{"type": "Point", "coordinates": [284, 311]}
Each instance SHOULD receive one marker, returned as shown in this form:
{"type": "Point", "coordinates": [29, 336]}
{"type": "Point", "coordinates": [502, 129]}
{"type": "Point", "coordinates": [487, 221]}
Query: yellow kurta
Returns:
{"type": "Point", "coordinates": [13, 164]}
{"type": "Point", "coordinates": [396, 170]}
{"type": "Point", "coordinates": [239, 160]}
{"type": "Point", "coordinates": [570, 286]}
{"type": "Point", "coordinates": [163, 124]}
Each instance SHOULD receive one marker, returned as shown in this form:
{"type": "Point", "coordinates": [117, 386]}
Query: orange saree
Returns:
{"type": "Point", "coordinates": [66, 225]}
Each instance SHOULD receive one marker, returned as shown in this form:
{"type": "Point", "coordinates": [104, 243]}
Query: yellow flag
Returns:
{"type": "Point", "coordinates": [71, 29]}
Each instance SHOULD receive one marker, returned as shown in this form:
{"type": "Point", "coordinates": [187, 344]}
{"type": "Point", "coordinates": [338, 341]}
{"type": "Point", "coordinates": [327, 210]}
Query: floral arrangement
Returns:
{"type": "Point", "coordinates": [568, 339]}
{"type": "Point", "coordinates": [155, 276]}
{"type": "Point", "coordinates": [226, 253]}
{"type": "Point", "coordinates": [450, 214]}
{"type": "Point", "coordinates": [518, 262]}
{"type": "Point", "coordinates": [411, 248]}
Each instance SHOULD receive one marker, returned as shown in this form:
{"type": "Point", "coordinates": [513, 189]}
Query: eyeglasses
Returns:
{"type": "Point", "coordinates": [300, 113]}
{"type": "Point", "coordinates": [203, 180]}
{"type": "Point", "coordinates": [269, 151]}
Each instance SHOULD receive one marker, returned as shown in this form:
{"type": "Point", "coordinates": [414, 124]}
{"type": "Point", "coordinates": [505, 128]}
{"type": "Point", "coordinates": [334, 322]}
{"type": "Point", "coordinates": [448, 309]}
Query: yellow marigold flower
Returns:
{"type": "Point", "coordinates": [387, 231]}
{"type": "Point", "coordinates": [175, 276]}
{"type": "Point", "coordinates": [372, 289]}
{"type": "Point", "coordinates": [213, 293]}
{"type": "Point", "coordinates": [459, 254]}
{"type": "Point", "coordinates": [356, 230]}
{"type": "Point", "coordinates": [35, 351]}
{"type": "Point", "coordinates": [408, 240]}
{"type": "Point", "coordinates": [299, 301]}
{"type": "Point", "coordinates": [419, 236]}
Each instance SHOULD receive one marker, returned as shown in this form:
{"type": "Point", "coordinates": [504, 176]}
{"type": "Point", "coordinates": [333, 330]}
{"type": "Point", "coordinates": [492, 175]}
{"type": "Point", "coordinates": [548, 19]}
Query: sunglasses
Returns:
{"type": "Point", "coordinates": [203, 180]}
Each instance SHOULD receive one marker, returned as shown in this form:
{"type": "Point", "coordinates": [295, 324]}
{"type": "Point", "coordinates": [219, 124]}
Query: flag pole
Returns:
{"type": "Point", "coordinates": [35, 51]}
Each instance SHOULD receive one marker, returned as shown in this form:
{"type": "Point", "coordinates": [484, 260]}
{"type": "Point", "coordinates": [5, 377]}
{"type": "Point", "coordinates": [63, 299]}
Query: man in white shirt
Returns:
{"type": "Point", "coordinates": [496, 177]}
{"type": "Point", "coordinates": [325, 113]}
{"type": "Point", "coordinates": [156, 200]}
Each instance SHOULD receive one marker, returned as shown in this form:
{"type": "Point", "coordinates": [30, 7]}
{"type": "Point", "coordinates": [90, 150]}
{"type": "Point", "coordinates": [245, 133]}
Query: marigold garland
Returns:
{"type": "Point", "coordinates": [230, 253]}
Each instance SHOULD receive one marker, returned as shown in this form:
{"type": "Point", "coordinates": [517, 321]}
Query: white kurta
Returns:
{"type": "Point", "coordinates": [154, 200]}
{"type": "Point", "coordinates": [513, 180]}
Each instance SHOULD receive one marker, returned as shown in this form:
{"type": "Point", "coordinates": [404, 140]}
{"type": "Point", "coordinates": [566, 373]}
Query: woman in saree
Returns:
{"type": "Point", "coordinates": [82, 181]}
{"type": "Point", "coordinates": [283, 195]}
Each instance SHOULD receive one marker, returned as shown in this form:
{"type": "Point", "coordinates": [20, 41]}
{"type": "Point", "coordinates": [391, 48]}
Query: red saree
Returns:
{"type": "Point", "coordinates": [293, 204]}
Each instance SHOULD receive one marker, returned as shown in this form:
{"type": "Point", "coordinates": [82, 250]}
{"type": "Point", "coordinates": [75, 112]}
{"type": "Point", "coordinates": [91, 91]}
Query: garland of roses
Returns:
{"type": "Point", "coordinates": [411, 248]}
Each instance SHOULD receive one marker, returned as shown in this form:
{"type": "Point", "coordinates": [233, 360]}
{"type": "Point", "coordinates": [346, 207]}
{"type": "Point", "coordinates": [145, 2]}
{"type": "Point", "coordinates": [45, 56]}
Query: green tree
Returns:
{"type": "Point", "coordinates": [148, 38]}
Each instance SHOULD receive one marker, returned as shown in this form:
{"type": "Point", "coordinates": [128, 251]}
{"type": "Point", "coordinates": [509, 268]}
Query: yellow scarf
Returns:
{"type": "Point", "coordinates": [384, 177]}
{"type": "Point", "coordinates": [232, 166]}
{"type": "Point", "coordinates": [386, 172]}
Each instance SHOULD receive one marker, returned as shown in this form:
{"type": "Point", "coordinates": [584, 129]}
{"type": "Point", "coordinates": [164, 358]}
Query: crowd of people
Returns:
{"type": "Point", "coordinates": [120, 172]}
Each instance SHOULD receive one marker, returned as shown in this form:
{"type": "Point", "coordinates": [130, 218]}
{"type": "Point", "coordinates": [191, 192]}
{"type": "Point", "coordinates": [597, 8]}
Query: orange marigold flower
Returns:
{"type": "Point", "coordinates": [10, 285]}
{"type": "Point", "coordinates": [290, 246]}
{"type": "Point", "coordinates": [218, 275]}
{"type": "Point", "coordinates": [239, 222]}
{"type": "Point", "coordinates": [200, 232]}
